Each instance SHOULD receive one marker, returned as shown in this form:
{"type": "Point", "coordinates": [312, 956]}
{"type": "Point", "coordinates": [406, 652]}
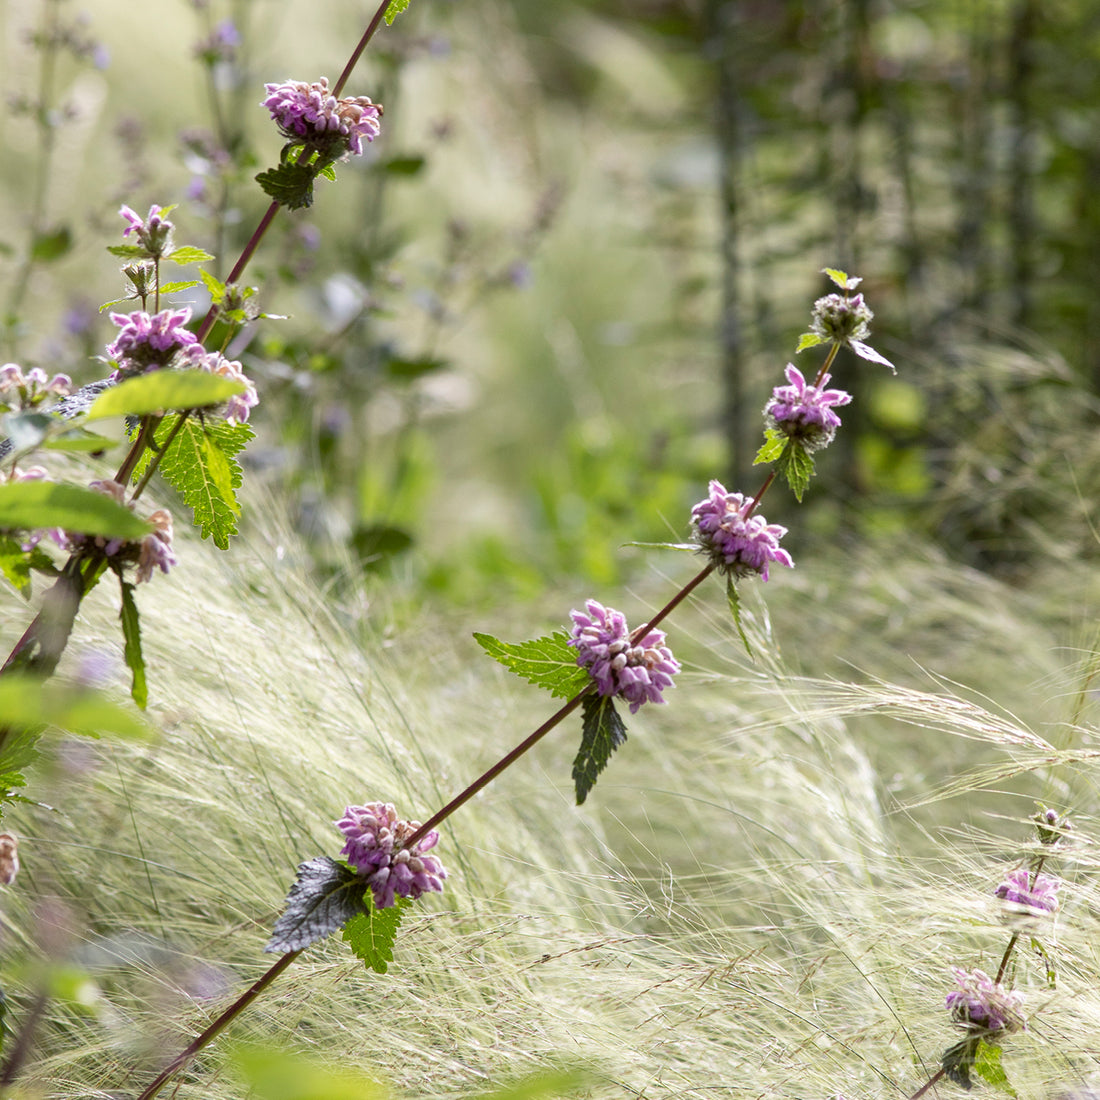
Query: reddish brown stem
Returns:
{"type": "Point", "coordinates": [503, 763]}
{"type": "Point", "coordinates": [368, 34]}
{"type": "Point", "coordinates": [234, 1010]}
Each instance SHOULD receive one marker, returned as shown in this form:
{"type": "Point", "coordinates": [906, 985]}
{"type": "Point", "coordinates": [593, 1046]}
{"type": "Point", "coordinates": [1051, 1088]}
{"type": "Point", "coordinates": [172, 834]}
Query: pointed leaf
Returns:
{"type": "Point", "coordinates": [29, 505]}
{"type": "Point", "coordinates": [796, 466]}
{"type": "Point", "coordinates": [774, 442]}
{"type": "Point", "coordinates": [290, 185]}
{"type": "Point", "coordinates": [131, 633]}
{"type": "Point", "coordinates": [176, 287]}
{"type": "Point", "coordinates": [865, 351]}
{"type": "Point", "coordinates": [734, 601]}
{"type": "Point", "coordinates": [546, 662]}
{"type": "Point", "coordinates": [395, 9]}
{"type": "Point", "coordinates": [128, 251]}
{"type": "Point", "coordinates": [372, 933]}
{"type": "Point", "coordinates": [810, 340]}
{"type": "Point", "coordinates": [987, 1065]}
{"type": "Point", "coordinates": [602, 733]}
{"type": "Point", "coordinates": [215, 286]}
{"type": "Point", "coordinates": [842, 278]}
{"type": "Point", "coordinates": [188, 254]}
{"type": "Point", "coordinates": [324, 898]}
{"type": "Point", "coordinates": [163, 390]}
{"type": "Point", "coordinates": [958, 1060]}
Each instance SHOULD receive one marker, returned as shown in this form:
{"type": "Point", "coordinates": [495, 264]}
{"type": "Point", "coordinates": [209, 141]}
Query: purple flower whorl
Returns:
{"type": "Point", "coordinates": [979, 1002]}
{"type": "Point", "coordinates": [736, 544]}
{"type": "Point", "coordinates": [310, 112]}
{"type": "Point", "coordinates": [637, 671]}
{"type": "Point", "coordinates": [375, 848]}
{"type": "Point", "coordinates": [1018, 889]}
{"type": "Point", "coordinates": [805, 412]}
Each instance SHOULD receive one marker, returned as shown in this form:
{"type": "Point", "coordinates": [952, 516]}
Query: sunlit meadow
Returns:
{"type": "Point", "coordinates": [478, 414]}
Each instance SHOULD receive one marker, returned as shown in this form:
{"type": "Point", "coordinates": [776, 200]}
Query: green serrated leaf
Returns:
{"type": "Point", "coordinates": [810, 340]}
{"type": "Point", "coordinates": [51, 246]}
{"type": "Point", "coordinates": [602, 733]}
{"type": "Point", "coordinates": [329, 172]}
{"type": "Point", "coordinates": [290, 185]}
{"type": "Point", "coordinates": [128, 251]}
{"type": "Point", "coordinates": [188, 254]}
{"type": "Point", "coordinates": [546, 662]}
{"type": "Point", "coordinates": [200, 465]}
{"type": "Point", "coordinates": [734, 601]}
{"type": "Point", "coordinates": [958, 1061]}
{"type": "Point", "coordinates": [396, 7]}
{"type": "Point", "coordinates": [215, 286]}
{"type": "Point", "coordinates": [772, 448]}
{"type": "Point", "coordinates": [175, 288]}
{"type": "Point", "coordinates": [796, 466]}
{"type": "Point", "coordinates": [162, 390]}
{"type": "Point", "coordinates": [324, 898]}
{"type": "Point", "coordinates": [28, 505]}
{"type": "Point", "coordinates": [839, 277]}
{"type": "Point", "coordinates": [987, 1065]}
{"type": "Point", "coordinates": [372, 933]}
{"type": "Point", "coordinates": [131, 633]}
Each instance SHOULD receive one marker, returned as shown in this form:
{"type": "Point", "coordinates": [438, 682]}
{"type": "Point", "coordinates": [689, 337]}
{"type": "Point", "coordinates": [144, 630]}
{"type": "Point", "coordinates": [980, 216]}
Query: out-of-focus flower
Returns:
{"type": "Point", "coordinates": [803, 411]}
{"type": "Point", "coordinates": [1038, 895]}
{"type": "Point", "coordinates": [846, 319]}
{"type": "Point", "coordinates": [156, 548]}
{"type": "Point", "coordinates": [148, 342]}
{"type": "Point", "coordinates": [25, 391]}
{"type": "Point", "coordinates": [154, 233]}
{"type": "Point", "coordinates": [636, 671]}
{"type": "Point", "coordinates": [239, 405]}
{"type": "Point", "coordinates": [310, 112]}
{"type": "Point", "coordinates": [9, 858]}
{"type": "Point", "coordinates": [980, 1002]}
{"type": "Point", "coordinates": [736, 543]}
{"type": "Point", "coordinates": [220, 46]}
{"type": "Point", "coordinates": [152, 552]}
{"type": "Point", "coordinates": [376, 848]}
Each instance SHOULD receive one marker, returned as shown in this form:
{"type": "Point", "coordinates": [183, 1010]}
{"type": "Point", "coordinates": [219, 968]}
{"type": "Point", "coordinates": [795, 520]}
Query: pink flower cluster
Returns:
{"type": "Point", "coordinates": [376, 849]}
{"type": "Point", "coordinates": [239, 405]}
{"type": "Point", "coordinates": [150, 553]}
{"type": "Point", "coordinates": [312, 112]}
{"type": "Point", "coordinates": [980, 1002]}
{"type": "Point", "coordinates": [805, 412]}
{"type": "Point", "coordinates": [154, 233]}
{"type": "Point", "coordinates": [737, 543]}
{"type": "Point", "coordinates": [1019, 889]}
{"type": "Point", "coordinates": [24, 391]}
{"type": "Point", "coordinates": [636, 671]}
{"type": "Point", "coordinates": [148, 342]}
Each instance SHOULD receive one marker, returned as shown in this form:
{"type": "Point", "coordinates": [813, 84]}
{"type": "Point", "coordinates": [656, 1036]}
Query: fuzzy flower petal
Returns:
{"type": "Point", "coordinates": [148, 341]}
{"type": "Point", "coordinates": [1018, 889]}
{"type": "Point", "coordinates": [979, 1002]}
{"type": "Point", "coordinates": [312, 113]}
{"type": "Point", "coordinates": [805, 412]}
{"type": "Point", "coordinates": [737, 544]}
{"type": "Point", "coordinates": [637, 671]}
{"type": "Point", "coordinates": [375, 847]}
